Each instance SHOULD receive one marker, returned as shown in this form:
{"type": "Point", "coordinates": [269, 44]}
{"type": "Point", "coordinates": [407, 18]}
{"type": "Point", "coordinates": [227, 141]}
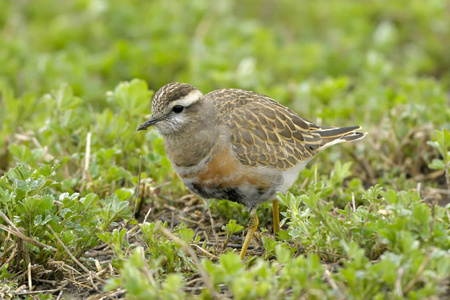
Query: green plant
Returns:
{"type": "Point", "coordinates": [31, 200]}
{"type": "Point", "coordinates": [441, 142]}
{"type": "Point", "coordinates": [365, 220]}
{"type": "Point", "coordinates": [231, 228]}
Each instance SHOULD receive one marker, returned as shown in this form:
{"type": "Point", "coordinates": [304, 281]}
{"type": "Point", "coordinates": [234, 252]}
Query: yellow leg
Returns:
{"type": "Point", "coordinates": [252, 226]}
{"type": "Point", "coordinates": [276, 216]}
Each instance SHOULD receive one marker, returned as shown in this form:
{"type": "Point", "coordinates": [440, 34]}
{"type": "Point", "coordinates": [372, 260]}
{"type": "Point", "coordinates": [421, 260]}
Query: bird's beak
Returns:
{"type": "Point", "coordinates": [150, 122]}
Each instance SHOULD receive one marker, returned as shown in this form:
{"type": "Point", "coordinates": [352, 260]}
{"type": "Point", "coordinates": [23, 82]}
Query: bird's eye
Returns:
{"type": "Point", "coordinates": [177, 109]}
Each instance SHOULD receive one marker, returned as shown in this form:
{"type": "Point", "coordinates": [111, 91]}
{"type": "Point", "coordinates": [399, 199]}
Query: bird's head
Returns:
{"type": "Point", "coordinates": [174, 106]}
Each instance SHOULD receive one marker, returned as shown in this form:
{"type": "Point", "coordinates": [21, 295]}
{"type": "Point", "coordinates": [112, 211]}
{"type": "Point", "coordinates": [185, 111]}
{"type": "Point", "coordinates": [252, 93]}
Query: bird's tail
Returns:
{"type": "Point", "coordinates": [334, 135]}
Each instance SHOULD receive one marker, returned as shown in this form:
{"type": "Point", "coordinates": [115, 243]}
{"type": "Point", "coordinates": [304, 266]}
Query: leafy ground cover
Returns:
{"type": "Point", "coordinates": [91, 208]}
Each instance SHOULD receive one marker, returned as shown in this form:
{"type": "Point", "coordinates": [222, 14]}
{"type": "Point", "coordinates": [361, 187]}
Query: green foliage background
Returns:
{"type": "Point", "coordinates": [84, 71]}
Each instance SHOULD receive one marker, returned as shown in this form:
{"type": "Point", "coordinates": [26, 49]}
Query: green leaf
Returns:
{"type": "Point", "coordinates": [186, 234]}
{"type": "Point", "coordinates": [21, 152]}
{"type": "Point", "coordinates": [283, 255]}
{"type": "Point", "coordinates": [46, 170]}
{"type": "Point", "coordinates": [132, 96]}
{"type": "Point", "coordinates": [231, 264]}
{"type": "Point", "coordinates": [422, 213]}
{"type": "Point", "coordinates": [283, 235]}
{"type": "Point", "coordinates": [64, 98]}
{"type": "Point", "coordinates": [437, 164]}
{"type": "Point", "coordinates": [232, 227]}
{"type": "Point", "coordinates": [89, 200]}
{"type": "Point", "coordinates": [20, 172]}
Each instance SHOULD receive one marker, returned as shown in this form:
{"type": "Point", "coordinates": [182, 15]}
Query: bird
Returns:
{"type": "Point", "coordinates": [238, 145]}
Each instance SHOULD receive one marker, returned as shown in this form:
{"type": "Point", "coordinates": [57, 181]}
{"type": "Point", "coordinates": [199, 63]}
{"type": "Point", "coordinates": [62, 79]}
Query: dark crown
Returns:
{"type": "Point", "coordinates": [170, 92]}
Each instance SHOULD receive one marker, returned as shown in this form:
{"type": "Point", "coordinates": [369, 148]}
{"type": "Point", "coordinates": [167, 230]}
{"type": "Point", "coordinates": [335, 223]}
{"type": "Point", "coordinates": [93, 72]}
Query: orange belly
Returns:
{"type": "Point", "coordinates": [225, 177]}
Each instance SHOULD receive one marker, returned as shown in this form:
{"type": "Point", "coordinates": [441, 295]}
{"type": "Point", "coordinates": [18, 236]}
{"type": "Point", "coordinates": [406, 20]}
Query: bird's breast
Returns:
{"type": "Point", "coordinates": [221, 175]}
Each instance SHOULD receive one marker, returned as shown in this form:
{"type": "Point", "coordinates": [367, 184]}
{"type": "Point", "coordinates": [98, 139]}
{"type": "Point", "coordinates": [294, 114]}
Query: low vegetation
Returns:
{"type": "Point", "coordinates": [91, 208]}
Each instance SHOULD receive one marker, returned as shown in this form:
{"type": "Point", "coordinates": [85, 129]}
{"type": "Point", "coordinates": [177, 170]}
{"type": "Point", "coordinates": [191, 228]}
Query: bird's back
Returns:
{"type": "Point", "coordinates": [265, 133]}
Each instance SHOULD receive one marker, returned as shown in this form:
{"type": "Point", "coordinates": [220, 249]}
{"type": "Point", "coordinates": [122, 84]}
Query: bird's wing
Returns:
{"type": "Point", "coordinates": [266, 133]}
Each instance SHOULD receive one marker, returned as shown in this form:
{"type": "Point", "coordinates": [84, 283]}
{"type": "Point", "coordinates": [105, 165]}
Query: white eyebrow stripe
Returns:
{"type": "Point", "coordinates": [189, 99]}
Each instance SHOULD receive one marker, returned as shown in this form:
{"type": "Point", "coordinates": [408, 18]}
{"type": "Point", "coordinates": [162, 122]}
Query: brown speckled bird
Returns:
{"type": "Point", "coordinates": [238, 145]}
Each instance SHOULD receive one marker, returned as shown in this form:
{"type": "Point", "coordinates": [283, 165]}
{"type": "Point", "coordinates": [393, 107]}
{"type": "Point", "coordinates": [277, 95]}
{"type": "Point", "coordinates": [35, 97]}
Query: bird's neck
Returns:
{"type": "Point", "coordinates": [192, 144]}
